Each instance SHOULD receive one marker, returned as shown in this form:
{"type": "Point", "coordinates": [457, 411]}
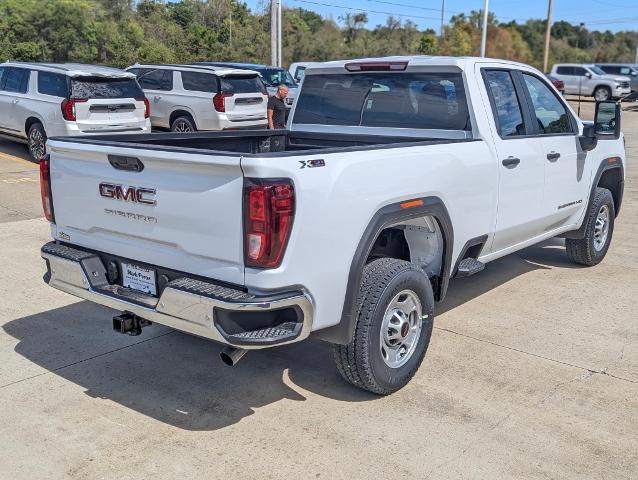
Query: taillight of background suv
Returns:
{"type": "Point", "coordinates": [68, 108]}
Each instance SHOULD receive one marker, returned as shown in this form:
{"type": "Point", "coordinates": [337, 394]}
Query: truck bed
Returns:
{"type": "Point", "coordinates": [258, 142]}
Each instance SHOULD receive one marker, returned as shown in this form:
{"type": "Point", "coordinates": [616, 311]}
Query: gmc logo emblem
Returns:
{"type": "Point", "coordinates": [128, 194]}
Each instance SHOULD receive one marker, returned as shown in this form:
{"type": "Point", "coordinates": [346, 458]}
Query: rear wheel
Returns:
{"type": "Point", "coordinates": [395, 309]}
{"type": "Point", "coordinates": [602, 93]}
{"type": "Point", "coordinates": [37, 141]}
{"type": "Point", "coordinates": [599, 228]}
{"type": "Point", "coordinates": [183, 124]}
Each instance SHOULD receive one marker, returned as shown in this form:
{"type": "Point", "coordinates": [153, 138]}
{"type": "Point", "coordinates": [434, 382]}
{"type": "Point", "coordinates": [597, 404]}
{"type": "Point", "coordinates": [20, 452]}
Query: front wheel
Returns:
{"type": "Point", "coordinates": [37, 141]}
{"type": "Point", "coordinates": [602, 94]}
{"type": "Point", "coordinates": [599, 228]}
{"type": "Point", "coordinates": [395, 313]}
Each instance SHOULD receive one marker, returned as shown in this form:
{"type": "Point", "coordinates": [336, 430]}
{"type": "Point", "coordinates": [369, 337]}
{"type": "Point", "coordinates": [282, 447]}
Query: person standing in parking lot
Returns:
{"type": "Point", "coordinates": [277, 108]}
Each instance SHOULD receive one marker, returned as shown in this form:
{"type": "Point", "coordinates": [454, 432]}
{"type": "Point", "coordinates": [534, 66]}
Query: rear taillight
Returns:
{"type": "Point", "coordinates": [219, 101]}
{"type": "Point", "coordinates": [147, 106]}
{"type": "Point", "coordinates": [45, 189]}
{"type": "Point", "coordinates": [68, 108]}
{"type": "Point", "coordinates": [269, 209]}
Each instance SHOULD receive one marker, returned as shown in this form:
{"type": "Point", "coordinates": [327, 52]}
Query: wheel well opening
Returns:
{"type": "Point", "coordinates": [30, 121]}
{"type": "Point", "coordinates": [418, 240]}
{"type": "Point", "coordinates": [180, 113]}
{"type": "Point", "coordinates": [612, 181]}
{"type": "Point", "coordinates": [391, 243]}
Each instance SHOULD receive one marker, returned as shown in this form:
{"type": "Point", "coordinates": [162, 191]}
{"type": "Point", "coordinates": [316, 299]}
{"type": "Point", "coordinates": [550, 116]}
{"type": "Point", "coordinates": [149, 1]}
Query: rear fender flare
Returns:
{"type": "Point", "coordinates": [390, 214]}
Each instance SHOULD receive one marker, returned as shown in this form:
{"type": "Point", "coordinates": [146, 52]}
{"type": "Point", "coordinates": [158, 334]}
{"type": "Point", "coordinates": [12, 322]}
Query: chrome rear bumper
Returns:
{"type": "Point", "coordinates": [186, 304]}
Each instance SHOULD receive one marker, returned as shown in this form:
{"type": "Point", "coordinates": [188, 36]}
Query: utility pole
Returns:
{"type": "Point", "coordinates": [484, 33]}
{"type": "Point", "coordinates": [279, 44]}
{"type": "Point", "coordinates": [442, 19]}
{"type": "Point", "coordinates": [275, 33]}
{"type": "Point", "coordinates": [548, 34]}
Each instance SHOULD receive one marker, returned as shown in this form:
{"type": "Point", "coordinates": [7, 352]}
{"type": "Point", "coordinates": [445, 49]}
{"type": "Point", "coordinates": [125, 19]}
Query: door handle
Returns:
{"type": "Point", "coordinates": [552, 156]}
{"type": "Point", "coordinates": [157, 98]}
{"type": "Point", "coordinates": [511, 162]}
{"type": "Point", "coordinates": [16, 100]}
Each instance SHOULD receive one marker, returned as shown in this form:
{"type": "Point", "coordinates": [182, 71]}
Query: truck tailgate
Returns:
{"type": "Point", "coordinates": [182, 211]}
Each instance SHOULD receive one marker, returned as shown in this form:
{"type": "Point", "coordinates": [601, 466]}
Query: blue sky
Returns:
{"type": "Point", "coordinates": [596, 14]}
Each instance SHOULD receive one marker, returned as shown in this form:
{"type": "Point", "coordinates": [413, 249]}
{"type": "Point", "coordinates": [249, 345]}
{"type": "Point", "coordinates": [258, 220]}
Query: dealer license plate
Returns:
{"type": "Point", "coordinates": [139, 278]}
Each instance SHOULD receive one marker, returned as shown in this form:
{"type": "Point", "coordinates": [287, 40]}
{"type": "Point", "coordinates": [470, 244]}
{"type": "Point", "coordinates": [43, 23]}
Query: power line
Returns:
{"type": "Point", "coordinates": [411, 6]}
{"type": "Point", "coordinates": [394, 14]}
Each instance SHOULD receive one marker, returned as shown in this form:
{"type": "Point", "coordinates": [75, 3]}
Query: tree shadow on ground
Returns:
{"type": "Point", "coordinates": [178, 379]}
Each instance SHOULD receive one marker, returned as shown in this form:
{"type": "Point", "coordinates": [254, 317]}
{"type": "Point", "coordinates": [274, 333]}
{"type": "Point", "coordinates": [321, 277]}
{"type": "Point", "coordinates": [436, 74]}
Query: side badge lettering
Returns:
{"type": "Point", "coordinates": [312, 163]}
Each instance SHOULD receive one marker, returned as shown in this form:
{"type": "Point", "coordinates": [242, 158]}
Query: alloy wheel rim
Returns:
{"type": "Point", "coordinates": [601, 95]}
{"type": "Point", "coordinates": [601, 228]}
{"type": "Point", "coordinates": [182, 127]}
{"type": "Point", "coordinates": [36, 144]}
{"type": "Point", "coordinates": [401, 329]}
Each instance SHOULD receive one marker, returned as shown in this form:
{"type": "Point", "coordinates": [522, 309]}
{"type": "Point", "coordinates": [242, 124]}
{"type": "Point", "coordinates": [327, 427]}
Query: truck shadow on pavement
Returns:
{"type": "Point", "coordinates": [179, 379]}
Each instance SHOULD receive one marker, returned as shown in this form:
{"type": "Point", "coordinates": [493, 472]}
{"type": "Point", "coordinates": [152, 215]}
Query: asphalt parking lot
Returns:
{"type": "Point", "coordinates": [532, 373]}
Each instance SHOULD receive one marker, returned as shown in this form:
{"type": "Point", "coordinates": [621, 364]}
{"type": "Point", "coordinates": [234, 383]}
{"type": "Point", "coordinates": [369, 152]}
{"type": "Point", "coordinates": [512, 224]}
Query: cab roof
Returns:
{"type": "Point", "coordinates": [463, 63]}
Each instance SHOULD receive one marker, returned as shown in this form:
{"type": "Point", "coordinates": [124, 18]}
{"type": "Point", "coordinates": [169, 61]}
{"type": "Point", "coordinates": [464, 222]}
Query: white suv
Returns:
{"type": "Point", "coordinates": [40, 100]}
{"type": "Point", "coordinates": [186, 98]}
{"type": "Point", "coordinates": [591, 81]}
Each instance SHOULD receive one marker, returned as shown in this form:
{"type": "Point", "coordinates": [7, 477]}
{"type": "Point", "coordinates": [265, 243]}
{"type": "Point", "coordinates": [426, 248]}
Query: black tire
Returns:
{"type": "Point", "coordinates": [588, 250]}
{"type": "Point", "coordinates": [36, 141]}
{"type": "Point", "coordinates": [602, 93]}
{"type": "Point", "coordinates": [361, 362]}
{"type": "Point", "coordinates": [183, 124]}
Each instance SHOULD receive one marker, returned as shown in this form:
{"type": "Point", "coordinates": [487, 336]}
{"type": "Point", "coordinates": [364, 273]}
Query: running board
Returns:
{"type": "Point", "coordinates": [469, 266]}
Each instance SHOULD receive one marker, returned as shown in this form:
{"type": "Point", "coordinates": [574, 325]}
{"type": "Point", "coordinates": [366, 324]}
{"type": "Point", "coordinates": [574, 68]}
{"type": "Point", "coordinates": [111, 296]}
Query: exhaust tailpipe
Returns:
{"type": "Point", "coordinates": [231, 355]}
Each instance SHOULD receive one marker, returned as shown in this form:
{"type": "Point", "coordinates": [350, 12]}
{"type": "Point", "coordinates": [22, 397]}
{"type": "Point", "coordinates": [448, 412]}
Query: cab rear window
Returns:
{"type": "Point", "coordinates": [407, 100]}
{"type": "Point", "coordinates": [97, 87]}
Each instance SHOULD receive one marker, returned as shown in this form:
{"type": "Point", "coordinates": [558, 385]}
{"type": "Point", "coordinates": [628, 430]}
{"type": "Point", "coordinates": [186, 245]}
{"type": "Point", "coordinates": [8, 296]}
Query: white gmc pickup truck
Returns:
{"type": "Point", "coordinates": [394, 176]}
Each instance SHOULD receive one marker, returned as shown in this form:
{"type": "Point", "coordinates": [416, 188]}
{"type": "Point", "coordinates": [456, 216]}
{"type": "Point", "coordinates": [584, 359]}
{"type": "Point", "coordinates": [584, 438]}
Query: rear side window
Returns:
{"type": "Point", "coordinates": [155, 79]}
{"type": "Point", "coordinates": [52, 84]}
{"type": "Point", "coordinates": [15, 80]}
{"type": "Point", "coordinates": [242, 84]}
{"type": "Point", "coordinates": [199, 82]}
{"type": "Point", "coordinates": [565, 70]}
{"type": "Point", "coordinates": [408, 100]}
{"type": "Point", "coordinates": [505, 103]}
{"type": "Point", "coordinates": [98, 87]}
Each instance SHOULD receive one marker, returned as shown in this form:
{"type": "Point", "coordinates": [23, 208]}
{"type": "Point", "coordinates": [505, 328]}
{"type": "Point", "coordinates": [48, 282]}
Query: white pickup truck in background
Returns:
{"type": "Point", "coordinates": [394, 176]}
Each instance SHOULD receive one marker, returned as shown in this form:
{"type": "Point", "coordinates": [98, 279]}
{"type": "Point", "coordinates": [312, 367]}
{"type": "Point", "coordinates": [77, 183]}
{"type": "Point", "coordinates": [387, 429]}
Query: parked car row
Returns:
{"type": "Point", "coordinates": [39, 100]}
{"type": "Point", "coordinates": [602, 81]}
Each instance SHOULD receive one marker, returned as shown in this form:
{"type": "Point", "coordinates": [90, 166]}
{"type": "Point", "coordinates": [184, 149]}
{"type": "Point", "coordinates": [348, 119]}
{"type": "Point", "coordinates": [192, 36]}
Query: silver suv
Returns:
{"type": "Point", "coordinates": [186, 98]}
{"type": "Point", "coordinates": [40, 100]}
{"type": "Point", "coordinates": [591, 81]}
